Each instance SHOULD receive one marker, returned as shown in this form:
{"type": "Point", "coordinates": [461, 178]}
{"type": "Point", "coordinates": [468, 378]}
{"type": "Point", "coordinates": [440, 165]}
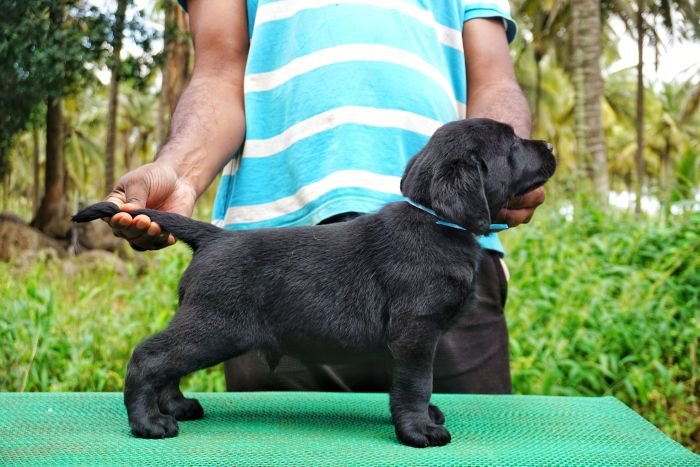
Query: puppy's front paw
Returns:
{"type": "Point", "coordinates": [154, 427]}
{"type": "Point", "coordinates": [183, 409]}
{"type": "Point", "coordinates": [422, 435]}
{"type": "Point", "coordinates": [436, 415]}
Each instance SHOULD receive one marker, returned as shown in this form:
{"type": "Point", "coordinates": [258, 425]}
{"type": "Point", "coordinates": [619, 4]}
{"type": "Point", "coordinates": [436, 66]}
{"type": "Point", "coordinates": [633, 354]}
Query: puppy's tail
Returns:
{"type": "Point", "coordinates": [190, 231]}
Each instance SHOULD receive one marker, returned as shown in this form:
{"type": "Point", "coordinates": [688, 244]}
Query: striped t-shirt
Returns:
{"type": "Point", "coordinates": [339, 95]}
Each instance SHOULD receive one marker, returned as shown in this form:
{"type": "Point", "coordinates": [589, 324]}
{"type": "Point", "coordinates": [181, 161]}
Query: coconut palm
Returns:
{"type": "Point", "coordinates": [647, 21]}
{"type": "Point", "coordinates": [586, 42]}
{"type": "Point", "coordinates": [676, 132]}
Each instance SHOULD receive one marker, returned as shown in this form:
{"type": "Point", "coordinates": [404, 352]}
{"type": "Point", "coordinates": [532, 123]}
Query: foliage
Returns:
{"type": "Point", "coordinates": [41, 60]}
{"type": "Point", "coordinates": [607, 304]}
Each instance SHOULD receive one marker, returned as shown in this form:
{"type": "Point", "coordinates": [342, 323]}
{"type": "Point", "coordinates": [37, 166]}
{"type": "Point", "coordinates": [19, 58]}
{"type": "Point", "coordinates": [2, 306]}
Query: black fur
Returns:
{"type": "Point", "coordinates": [388, 282]}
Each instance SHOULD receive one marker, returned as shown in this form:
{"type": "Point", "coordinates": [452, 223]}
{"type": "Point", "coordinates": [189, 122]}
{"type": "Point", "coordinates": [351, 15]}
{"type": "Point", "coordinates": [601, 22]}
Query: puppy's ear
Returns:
{"type": "Point", "coordinates": [407, 172]}
{"type": "Point", "coordinates": [457, 194]}
{"type": "Point", "coordinates": [415, 182]}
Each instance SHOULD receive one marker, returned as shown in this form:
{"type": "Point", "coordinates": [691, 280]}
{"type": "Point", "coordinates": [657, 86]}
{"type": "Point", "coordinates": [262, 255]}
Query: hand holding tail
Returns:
{"type": "Point", "coordinates": [195, 233]}
{"type": "Point", "coordinates": [155, 186]}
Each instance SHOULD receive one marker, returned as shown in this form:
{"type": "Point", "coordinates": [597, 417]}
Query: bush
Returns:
{"type": "Point", "coordinates": [607, 304]}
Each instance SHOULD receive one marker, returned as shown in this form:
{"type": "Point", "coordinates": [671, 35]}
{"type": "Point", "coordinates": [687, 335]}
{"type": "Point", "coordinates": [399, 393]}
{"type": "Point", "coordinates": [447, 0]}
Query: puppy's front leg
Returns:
{"type": "Point", "coordinates": [412, 386]}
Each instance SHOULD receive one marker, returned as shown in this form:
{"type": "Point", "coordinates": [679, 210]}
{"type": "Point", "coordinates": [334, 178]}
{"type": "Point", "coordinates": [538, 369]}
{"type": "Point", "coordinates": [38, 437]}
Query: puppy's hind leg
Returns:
{"type": "Point", "coordinates": [158, 363]}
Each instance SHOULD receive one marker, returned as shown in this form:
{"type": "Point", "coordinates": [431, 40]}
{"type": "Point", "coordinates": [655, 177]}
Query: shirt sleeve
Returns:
{"type": "Point", "coordinates": [491, 9]}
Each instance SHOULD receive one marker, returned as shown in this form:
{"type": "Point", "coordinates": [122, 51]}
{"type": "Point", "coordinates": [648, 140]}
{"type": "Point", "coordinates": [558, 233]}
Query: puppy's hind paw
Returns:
{"type": "Point", "coordinates": [183, 409]}
{"type": "Point", "coordinates": [436, 415]}
{"type": "Point", "coordinates": [154, 427]}
{"type": "Point", "coordinates": [423, 436]}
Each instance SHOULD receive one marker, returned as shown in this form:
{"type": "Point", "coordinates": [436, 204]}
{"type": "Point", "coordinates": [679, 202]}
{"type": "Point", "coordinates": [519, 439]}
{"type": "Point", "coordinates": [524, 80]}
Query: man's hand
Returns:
{"type": "Point", "coordinates": [520, 209]}
{"type": "Point", "coordinates": [153, 186]}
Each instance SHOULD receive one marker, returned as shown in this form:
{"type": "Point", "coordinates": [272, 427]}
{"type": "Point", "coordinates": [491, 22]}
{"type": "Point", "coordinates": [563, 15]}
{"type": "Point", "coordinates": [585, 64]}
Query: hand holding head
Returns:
{"type": "Point", "coordinates": [520, 209]}
{"type": "Point", "coordinates": [474, 171]}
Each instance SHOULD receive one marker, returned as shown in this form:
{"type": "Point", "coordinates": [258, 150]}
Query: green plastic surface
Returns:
{"type": "Point", "coordinates": [333, 429]}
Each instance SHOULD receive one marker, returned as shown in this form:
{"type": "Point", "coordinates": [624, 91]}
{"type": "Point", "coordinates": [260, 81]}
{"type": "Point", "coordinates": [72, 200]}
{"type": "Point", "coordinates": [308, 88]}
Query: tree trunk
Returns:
{"type": "Point", "coordinates": [639, 154]}
{"type": "Point", "coordinates": [5, 178]}
{"type": "Point", "coordinates": [162, 122]}
{"type": "Point", "coordinates": [35, 181]}
{"type": "Point", "coordinates": [538, 94]}
{"type": "Point", "coordinates": [176, 67]}
{"type": "Point", "coordinates": [588, 86]}
{"type": "Point", "coordinates": [118, 34]}
{"type": "Point", "coordinates": [53, 216]}
{"type": "Point", "coordinates": [629, 187]}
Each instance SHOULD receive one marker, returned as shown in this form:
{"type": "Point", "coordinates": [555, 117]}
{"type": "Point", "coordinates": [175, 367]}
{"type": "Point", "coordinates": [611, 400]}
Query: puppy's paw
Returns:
{"type": "Point", "coordinates": [154, 427]}
{"type": "Point", "coordinates": [423, 435]}
{"type": "Point", "coordinates": [183, 409]}
{"type": "Point", "coordinates": [435, 414]}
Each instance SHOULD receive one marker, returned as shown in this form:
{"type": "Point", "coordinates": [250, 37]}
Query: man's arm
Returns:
{"type": "Point", "coordinates": [492, 88]}
{"type": "Point", "coordinates": [208, 125]}
{"type": "Point", "coordinates": [493, 92]}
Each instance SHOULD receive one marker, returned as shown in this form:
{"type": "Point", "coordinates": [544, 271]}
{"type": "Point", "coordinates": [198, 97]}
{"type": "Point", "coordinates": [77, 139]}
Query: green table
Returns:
{"type": "Point", "coordinates": [333, 429]}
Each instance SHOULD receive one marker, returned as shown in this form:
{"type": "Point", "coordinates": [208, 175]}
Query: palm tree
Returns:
{"type": "Point", "coordinates": [586, 41]}
{"type": "Point", "coordinates": [642, 21]}
{"type": "Point", "coordinates": [675, 131]}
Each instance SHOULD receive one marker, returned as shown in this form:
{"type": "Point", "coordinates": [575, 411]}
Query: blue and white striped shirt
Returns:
{"type": "Point", "coordinates": [339, 95]}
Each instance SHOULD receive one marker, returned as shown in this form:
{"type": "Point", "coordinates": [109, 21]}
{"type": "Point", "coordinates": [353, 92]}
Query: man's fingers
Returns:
{"type": "Point", "coordinates": [140, 231]}
{"type": "Point", "coordinates": [153, 230]}
{"type": "Point", "coordinates": [529, 200]}
{"type": "Point", "coordinates": [114, 198]}
{"type": "Point", "coordinates": [142, 222]}
{"type": "Point", "coordinates": [515, 217]}
{"type": "Point", "coordinates": [521, 208]}
{"type": "Point", "coordinates": [148, 242]}
{"type": "Point", "coordinates": [120, 221]}
{"type": "Point", "coordinates": [136, 191]}
{"type": "Point", "coordinates": [150, 238]}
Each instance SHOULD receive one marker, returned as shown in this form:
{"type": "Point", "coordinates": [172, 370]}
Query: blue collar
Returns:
{"type": "Point", "coordinates": [440, 221]}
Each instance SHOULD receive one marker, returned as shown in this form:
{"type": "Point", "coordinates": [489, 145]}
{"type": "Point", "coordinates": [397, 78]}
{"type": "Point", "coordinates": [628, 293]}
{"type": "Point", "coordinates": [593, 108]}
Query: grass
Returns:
{"type": "Point", "coordinates": [603, 305]}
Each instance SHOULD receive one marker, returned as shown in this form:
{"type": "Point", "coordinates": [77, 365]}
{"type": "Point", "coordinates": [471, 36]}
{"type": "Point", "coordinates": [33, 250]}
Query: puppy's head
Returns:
{"type": "Point", "coordinates": [471, 168]}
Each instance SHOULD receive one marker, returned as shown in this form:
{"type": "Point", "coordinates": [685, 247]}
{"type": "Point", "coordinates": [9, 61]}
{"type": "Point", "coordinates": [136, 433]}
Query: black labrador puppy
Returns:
{"type": "Point", "coordinates": [389, 282]}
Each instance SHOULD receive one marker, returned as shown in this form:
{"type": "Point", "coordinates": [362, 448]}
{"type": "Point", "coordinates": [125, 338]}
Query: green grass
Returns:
{"type": "Point", "coordinates": [605, 305]}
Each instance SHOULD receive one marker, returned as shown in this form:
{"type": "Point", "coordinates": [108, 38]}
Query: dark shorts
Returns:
{"type": "Point", "coordinates": [472, 357]}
